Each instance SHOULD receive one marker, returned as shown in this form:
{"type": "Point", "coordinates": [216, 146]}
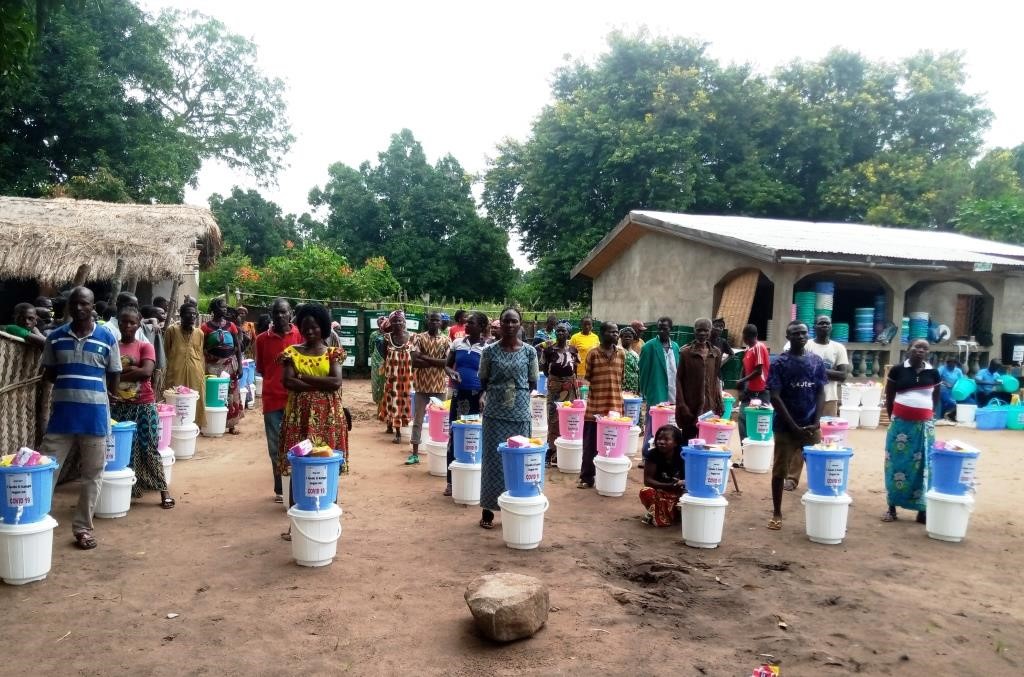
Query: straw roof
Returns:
{"type": "Point", "coordinates": [47, 240]}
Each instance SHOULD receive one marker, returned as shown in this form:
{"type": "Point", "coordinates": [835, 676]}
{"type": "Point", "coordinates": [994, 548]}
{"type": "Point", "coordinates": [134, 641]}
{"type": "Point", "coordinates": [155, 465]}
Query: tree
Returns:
{"type": "Point", "coordinates": [253, 224]}
{"type": "Point", "coordinates": [107, 95]}
{"type": "Point", "coordinates": [420, 217]}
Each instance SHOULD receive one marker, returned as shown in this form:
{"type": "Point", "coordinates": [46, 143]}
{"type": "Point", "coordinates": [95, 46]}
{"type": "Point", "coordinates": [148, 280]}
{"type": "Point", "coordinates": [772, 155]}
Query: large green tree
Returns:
{"type": "Point", "coordinates": [421, 217]}
{"type": "Point", "coordinates": [657, 124]}
{"type": "Point", "coordinates": [253, 224]}
{"type": "Point", "coordinates": [134, 105]}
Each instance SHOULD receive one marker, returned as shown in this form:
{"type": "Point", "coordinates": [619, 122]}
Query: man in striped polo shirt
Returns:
{"type": "Point", "coordinates": [83, 362]}
{"type": "Point", "coordinates": [605, 367]}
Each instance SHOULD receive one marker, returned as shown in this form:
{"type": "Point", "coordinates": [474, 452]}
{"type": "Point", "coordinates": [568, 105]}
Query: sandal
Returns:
{"type": "Point", "coordinates": [486, 524]}
{"type": "Point", "coordinates": [448, 490]}
{"type": "Point", "coordinates": [774, 524]}
{"type": "Point", "coordinates": [232, 431]}
{"type": "Point", "coordinates": [167, 503]}
{"type": "Point", "coordinates": [889, 516]}
{"type": "Point", "coordinates": [286, 536]}
{"type": "Point", "coordinates": [84, 540]}
{"type": "Point", "coordinates": [789, 484]}
{"type": "Point", "coordinates": [583, 484]}
{"type": "Point", "coordinates": [278, 498]}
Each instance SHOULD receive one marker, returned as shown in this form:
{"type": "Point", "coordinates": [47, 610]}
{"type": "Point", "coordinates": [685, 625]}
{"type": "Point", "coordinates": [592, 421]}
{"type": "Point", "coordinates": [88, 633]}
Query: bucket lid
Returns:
{"type": "Point", "coordinates": [613, 461]}
{"type": "Point", "coordinates": [45, 524]}
{"type": "Point", "coordinates": [747, 442]}
{"type": "Point", "coordinates": [717, 501]}
{"type": "Point", "coordinates": [523, 501]}
{"type": "Point", "coordinates": [332, 511]}
{"type": "Point", "coordinates": [459, 465]}
{"type": "Point", "coordinates": [841, 499]}
{"type": "Point", "coordinates": [124, 425]}
{"type": "Point", "coordinates": [122, 474]}
{"type": "Point", "coordinates": [185, 432]}
{"type": "Point", "coordinates": [966, 499]}
{"type": "Point", "coordinates": [562, 442]}
{"type": "Point", "coordinates": [216, 410]}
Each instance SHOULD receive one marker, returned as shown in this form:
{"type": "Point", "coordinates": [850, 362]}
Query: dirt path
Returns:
{"type": "Point", "coordinates": [628, 598]}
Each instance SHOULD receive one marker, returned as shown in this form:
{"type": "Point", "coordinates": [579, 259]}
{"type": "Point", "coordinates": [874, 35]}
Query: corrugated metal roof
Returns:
{"type": "Point", "coordinates": [810, 238]}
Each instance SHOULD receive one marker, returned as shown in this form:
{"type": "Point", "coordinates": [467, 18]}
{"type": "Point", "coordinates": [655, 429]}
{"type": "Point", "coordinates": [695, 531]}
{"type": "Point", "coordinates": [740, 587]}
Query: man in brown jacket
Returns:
{"type": "Point", "coordinates": [697, 389]}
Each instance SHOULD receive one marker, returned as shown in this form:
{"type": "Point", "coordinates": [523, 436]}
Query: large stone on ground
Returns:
{"type": "Point", "coordinates": [508, 606]}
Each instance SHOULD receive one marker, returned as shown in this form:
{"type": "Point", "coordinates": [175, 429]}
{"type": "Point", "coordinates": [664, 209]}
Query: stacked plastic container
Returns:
{"type": "Point", "coordinates": [864, 325]}
{"type": "Point", "coordinates": [570, 436]}
{"type": "Point", "coordinates": [632, 406]}
{"type": "Point", "coordinates": [703, 505]}
{"type": "Point", "coordinates": [805, 301]}
{"type": "Point", "coordinates": [759, 444]}
{"type": "Point", "coordinates": [184, 430]}
{"type": "Point", "coordinates": [905, 331]}
{"type": "Point", "coordinates": [824, 298]}
{"type": "Point", "coordinates": [316, 516]}
{"type": "Point", "coordinates": [467, 444]}
{"type": "Point", "coordinates": [949, 498]}
{"type": "Point", "coordinates": [165, 416]}
{"type": "Point", "coordinates": [523, 502]}
{"type": "Point", "coordinates": [539, 416]}
{"type": "Point", "coordinates": [881, 313]}
{"type": "Point", "coordinates": [841, 332]}
{"type": "Point", "coordinates": [216, 404]}
{"type": "Point", "coordinates": [26, 527]}
{"type": "Point", "coordinates": [611, 464]}
{"type": "Point", "coordinates": [115, 499]}
{"type": "Point", "coordinates": [918, 326]}
{"type": "Point", "coordinates": [826, 503]}
{"type": "Point", "coordinates": [436, 445]}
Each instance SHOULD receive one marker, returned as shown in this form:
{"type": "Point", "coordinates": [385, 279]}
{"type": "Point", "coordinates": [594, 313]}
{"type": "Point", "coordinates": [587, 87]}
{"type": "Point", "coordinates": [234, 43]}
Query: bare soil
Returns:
{"type": "Point", "coordinates": [627, 598]}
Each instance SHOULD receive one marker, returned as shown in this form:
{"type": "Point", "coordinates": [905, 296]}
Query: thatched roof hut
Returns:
{"type": "Point", "coordinates": [48, 240]}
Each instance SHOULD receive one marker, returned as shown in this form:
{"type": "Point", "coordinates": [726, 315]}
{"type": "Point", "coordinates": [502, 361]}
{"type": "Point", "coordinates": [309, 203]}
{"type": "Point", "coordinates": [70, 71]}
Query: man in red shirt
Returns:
{"type": "Point", "coordinates": [756, 363]}
{"type": "Point", "coordinates": [458, 330]}
{"type": "Point", "coordinates": [269, 346]}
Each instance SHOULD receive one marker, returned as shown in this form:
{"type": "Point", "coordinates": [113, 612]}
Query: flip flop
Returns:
{"type": "Point", "coordinates": [888, 516]}
{"type": "Point", "coordinates": [278, 498]}
{"type": "Point", "coordinates": [789, 484]}
{"type": "Point", "coordinates": [584, 485]}
{"type": "Point", "coordinates": [484, 524]}
{"type": "Point", "coordinates": [84, 540]}
{"type": "Point", "coordinates": [774, 524]}
{"type": "Point", "coordinates": [167, 503]}
{"type": "Point", "coordinates": [286, 536]}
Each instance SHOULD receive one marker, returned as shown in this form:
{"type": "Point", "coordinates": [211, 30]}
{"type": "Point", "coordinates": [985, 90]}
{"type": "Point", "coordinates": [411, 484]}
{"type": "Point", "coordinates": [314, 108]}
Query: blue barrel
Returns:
{"type": "Point", "coordinates": [952, 472]}
{"type": "Point", "coordinates": [524, 469]}
{"type": "Point", "coordinates": [119, 445]}
{"type": "Point", "coordinates": [315, 480]}
{"type": "Point", "coordinates": [828, 470]}
{"type": "Point", "coordinates": [28, 489]}
{"type": "Point", "coordinates": [631, 406]}
{"type": "Point", "coordinates": [542, 384]}
{"type": "Point", "coordinates": [467, 442]}
{"type": "Point", "coordinates": [707, 471]}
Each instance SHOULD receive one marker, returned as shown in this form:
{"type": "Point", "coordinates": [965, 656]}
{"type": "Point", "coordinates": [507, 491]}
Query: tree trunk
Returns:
{"type": "Point", "coordinates": [115, 282]}
{"type": "Point", "coordinates": [172, 304]}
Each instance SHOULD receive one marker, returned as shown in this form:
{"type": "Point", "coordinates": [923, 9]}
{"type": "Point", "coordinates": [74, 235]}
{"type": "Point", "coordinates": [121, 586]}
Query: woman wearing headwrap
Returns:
{"type": "Point", "coordinates": [377, 359]}
{"type": "Point", "coordinates": [495, 332]}
{"type": "Point", "coordinates": [558, 361]}
{"type": "Point", "coordinates": [395, 350]}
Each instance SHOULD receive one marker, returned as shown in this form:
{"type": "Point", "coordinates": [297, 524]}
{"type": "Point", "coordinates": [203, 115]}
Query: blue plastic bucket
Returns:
{"type": "Point", "coordinates": [524, 469]}
{"type": "Point", "coordinates": [315, 480]}
{"type": "Point", "coordinates": [828, 470]}
{"type": "Point", "coordinates": [707, 471]}
{"type": "Point", "coordinates": [952, 472]}
{"type": "Point", "coordinates": [631, 406]}
{"type": "Point", "coordinates": [992, 417]}
{"type": "Point", "coordinates": [542, 384]}
{"type": "Point", "coordinates": [467, 442]}
{"type": "Point", "coordinates": [29, 489]}
{"type": "Point", "coordinates": [119, 445]}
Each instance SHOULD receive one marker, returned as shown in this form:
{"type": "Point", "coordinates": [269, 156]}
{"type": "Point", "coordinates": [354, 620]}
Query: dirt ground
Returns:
{"type": "Point", "coordinates": [626, 598]}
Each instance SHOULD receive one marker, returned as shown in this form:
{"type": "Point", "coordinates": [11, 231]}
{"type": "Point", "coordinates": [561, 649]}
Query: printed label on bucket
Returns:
{"type": "Point", "coordinates": [316, 480]}
{"type": "Point", "coordinates": [111, 449]}
{"type": "Point", "coordinates": [610, 438]}
{"type": "Point", "coordinates": [222, 392]}
{"type": "Point", "coordinates": [181, 407]}
{"type": "Point", "coordinates": [532, 466]}
{"type": "Point", "coordinates": [764, 425]}
{"type": "Point", "coordinates": [19, 490]}
{"type": "Point", "coordinates": [722, 436]}
{"type": "Point", "coordinates": [471, 442]}
{"type": "Point", "coordinates": [714, 476]}
{"type": "Point", "coordinates": [572, 423]}
{"type": "Point", "coordinates": [446, 425]}
{"type": "Point", "coordinates": [834, 472]}
{"type": "Point", "coordinates": [967, 471]}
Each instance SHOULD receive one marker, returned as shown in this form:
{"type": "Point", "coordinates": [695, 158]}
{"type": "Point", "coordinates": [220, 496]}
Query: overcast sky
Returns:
{"type": "Point", "coordinates": [464, 75]}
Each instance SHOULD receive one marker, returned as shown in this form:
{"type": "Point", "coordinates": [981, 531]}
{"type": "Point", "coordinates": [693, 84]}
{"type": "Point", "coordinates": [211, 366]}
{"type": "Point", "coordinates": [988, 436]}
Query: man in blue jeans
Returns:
{"type": "Point", "coordinates": [269, 346]}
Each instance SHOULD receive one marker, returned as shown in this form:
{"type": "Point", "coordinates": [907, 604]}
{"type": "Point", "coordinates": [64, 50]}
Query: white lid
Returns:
{"type": "Point", "coordinates": [186, 431]}
{"type": "Point", "coordinates": [841, 499]}
{"type": "Point", "coordinates": [747, 442]}
{"type": "Point", "coordinates": [949, 498]}
{"type": "Point", "coordinates": [524, 501]}
{"type": "Point", "coordinates": [459, 465]}
{"type": "Point", "coordinates": [118, 474]}
{"type": "Point", "coordinates": [330, 511]}
{"type": "Point", "coordinates": [717, 501]}
{"type": "Point", "coordinates": [216, 409]}
{"type": "Point", "coordinates": [562, 442]}
{"type": "Point", "coordinates": [867, 408]}
{"type": "Point", "coordinates": [612, 460]}
{"type": "Point", "coordinates": [45, 524]}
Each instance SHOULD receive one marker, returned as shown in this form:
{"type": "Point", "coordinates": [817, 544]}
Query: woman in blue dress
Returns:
{"type": "Point", "coordinates": [508, 373]}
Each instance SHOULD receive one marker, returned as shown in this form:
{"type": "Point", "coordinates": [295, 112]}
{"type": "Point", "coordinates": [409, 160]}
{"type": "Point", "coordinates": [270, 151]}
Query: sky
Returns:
{"type": "Point", "coordinates": [465, 75]}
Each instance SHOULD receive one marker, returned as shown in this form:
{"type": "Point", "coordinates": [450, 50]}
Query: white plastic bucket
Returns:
{"type": "Point", "coordinates": [539, 412]}
{"type": "Point", "coordinates": [315, 535]}
{"type": "Point", "coordinates": [611, 474]}
{"type": "Point", "coordinates": [870, 396]}
{"type": "Point", "coordinates": [870, 416]}
{"type": "Point", "coordinates": [115, 499]}
{"type": "Point", "coordinates": [539, 433]}
{"type": "Point", "coordinates": [965, 413]}
{"type": "Point", "coordinates": [703, 520]}
{"type": "Point", "coordinates": [570, 455]}
{"type": "Point", "coordinates": [850, 395]}
{"type": "Point", "coordinates": [258, 382]}
{"type": "Point", "coordinates": [465, 483]}
{"type": "Point", "coordinates": [26, 551]}
{"type": "Point", "coordinates": [758, 455]}
{"type": "Point", "coordinates": [522, 520]}
{"type": "Point", "coordinates": [851, 415]}
{"type": "Point", "coordinates": [183, 442]}
{"type": "Point", "coordinates": [947, 515]}
{"type": "Point", "coordinates": [825, 517]}
{"type": "Point", "coordinates": [167, 460]}
{"type": "Point", "coordinates": [184, 408]}
{"type": "Point", "coordinates": [437, 457]}
{"type": "Point", "coordinates": [634, 446]}
{"type": "Point", "coordinates": [216, 421]}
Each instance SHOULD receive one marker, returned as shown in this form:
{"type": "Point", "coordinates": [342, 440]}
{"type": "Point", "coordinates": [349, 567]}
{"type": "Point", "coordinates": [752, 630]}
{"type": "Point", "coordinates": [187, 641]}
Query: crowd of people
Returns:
{"type": "Point", "coordinates": [113, 360]}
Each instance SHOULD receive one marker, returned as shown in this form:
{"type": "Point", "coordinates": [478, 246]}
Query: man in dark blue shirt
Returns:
{"type": "Point", "coordinates": [797, 382]}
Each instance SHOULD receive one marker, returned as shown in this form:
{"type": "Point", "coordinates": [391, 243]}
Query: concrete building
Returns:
{"type": "Point", "coordinates": [747, 269]}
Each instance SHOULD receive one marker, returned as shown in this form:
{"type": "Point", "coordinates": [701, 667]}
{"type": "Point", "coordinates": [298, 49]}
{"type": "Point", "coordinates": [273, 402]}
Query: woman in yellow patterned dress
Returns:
{"type": "Point", "coordinates": [312, 376]}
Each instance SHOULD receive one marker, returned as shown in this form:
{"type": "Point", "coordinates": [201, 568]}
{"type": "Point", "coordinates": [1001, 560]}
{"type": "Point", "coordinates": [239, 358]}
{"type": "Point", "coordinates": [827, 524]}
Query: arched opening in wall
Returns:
{"type": "Point", "coordinates": [850, 290]}
{"type": "Point", "coordinates": [963, 306]}
{"type": "Point", "coordinates": [744, 296]}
